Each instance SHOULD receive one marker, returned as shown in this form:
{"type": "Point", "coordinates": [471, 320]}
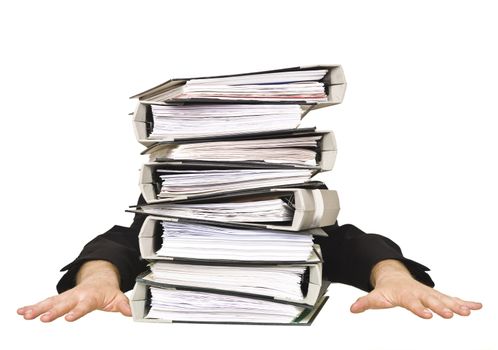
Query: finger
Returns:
{"type": "Point", "coordinates": [59, 308]}
{"type": "Point", "coordinates": [26, 311]}
{"type": "Point", "coordinates": [470, 304]}
{"type": "Point", "coordinates": [370, 301]}
{"type": "Point", "coordinates": [437, 306]}
{"type": "Point", "coordinates": [81, 309]}
{"type": "Point", "coordinates": [33, 311]}
{"type": "Point", "coordinates": [416, 307]}
{"type": "Point", "coordinates": [455, 305]}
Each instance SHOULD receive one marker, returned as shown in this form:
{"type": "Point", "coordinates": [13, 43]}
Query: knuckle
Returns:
{"type": "Point", "coordinates": [42, 305]}
{"type": "Point", "coordinates": [415, 305]}
{"type": "Point", "coordinates": [90, 299]}
{"type": "Point", "coordinates": [84, 296]}
{"type": "Point", "coordinates": [408, 299]}
{"type": "Point", "coordinates": [46, 300]}
{"type": "Point", "coordinates": [432, 301]}
{"type": "Point", "coordinates": [87, 303]}
{"type": "Point", "coordinates": [57, 309]}
{"type": "Point", "coordinates": [80, 310]}
{"type": "Point", "coordinates": [453, 303]}
{"type": "Point", "coordinates": [51, 300]}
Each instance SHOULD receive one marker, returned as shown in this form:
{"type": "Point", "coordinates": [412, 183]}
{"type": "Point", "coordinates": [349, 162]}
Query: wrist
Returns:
{"type": "Point", "coordinates": [101, 271]}
{"type": "Point", "coordinates": [387, 269]}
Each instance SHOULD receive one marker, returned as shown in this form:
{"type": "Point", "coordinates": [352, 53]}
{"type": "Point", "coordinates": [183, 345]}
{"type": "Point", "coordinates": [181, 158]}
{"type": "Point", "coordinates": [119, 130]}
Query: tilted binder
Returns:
{"type": "Point", "coordinates": [143, 121]}
{"type": "Point", "coordinates": [313, 285]}
{"type": "Point", "coordinates": [326, 150]}
{"type": "Point", "coordinates": [150, 181]}
{"type": "Point", "coordinates": [312, 207]}
{"type": "Point", "coordinates": [150, 240]}
{"type": "Point", "coordinates": [140, 306]}
{"type": "Point", "coordinates": [334, 81]}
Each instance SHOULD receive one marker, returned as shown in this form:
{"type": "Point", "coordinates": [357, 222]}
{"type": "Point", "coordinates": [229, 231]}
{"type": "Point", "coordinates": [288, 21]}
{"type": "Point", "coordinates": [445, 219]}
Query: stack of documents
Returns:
{"type": "Point", "coordinates": [197, 241]}
{"type": "Point", "coordinates": [259, 210]}
{"type": "Point", "coordinates": [199, 306]}
{"type": "Point", "coordinates": [291, 85]}
{"type": "Point", "coordinates": [245, 267]}
{"type": "Point", "coordinates": [202, 120]}
{"type": "Point", "coordinates": [180, 239]}
{"type": "Point", "coordinates": [185, 183]}
{"type": "Point", "coordinates": [301, 91]}
{"type": "Point", "coordinates": [291, 150]}
{"type": "Point", "coordinates": [282, 282]}
{"type": "Point", "coordinates": [231, 205]}
{"type": "Point", "coordinates": [305, 147]}
{"type": "Point", "coordinates": [172, 181]}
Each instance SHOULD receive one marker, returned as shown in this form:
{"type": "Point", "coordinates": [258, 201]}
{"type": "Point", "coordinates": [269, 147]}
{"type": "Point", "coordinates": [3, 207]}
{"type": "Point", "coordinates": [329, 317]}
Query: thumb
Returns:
{"type": "Point", "coordinates": [123, 306]}
{"type": "Point", "coordinates": [361, 304]}
{"type": "Point", "coordinates": [373, 300]}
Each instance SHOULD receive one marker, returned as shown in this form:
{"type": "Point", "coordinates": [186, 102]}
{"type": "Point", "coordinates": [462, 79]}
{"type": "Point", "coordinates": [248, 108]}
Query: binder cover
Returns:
{"type": "Point", "coordinates": [140, 306]}
{"type": "Point", "coordinates": [312, 207]}
{"type": "Point", "coordinates": [334, 81]}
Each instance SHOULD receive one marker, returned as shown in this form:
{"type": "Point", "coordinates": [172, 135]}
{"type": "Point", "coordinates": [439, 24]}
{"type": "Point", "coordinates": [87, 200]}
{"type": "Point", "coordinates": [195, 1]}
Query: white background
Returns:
{"type": "Point", "coordinates": [416, 133]}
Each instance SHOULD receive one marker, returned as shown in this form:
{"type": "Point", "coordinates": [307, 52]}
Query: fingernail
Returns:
{"type": "Point", "coordinates": [464, 308]}
{"type": "Point", "coordinates": [427, 313]}
{"type": "Point", "coordinates": [447, 313]}
{"type": "Point", "coordinates": [20, 310]}
{"type": "Point", "coordinates": [28, 313]}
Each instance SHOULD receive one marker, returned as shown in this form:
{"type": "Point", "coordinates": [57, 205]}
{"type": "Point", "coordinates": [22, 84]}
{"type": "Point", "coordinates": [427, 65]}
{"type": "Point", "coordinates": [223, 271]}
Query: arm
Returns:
{"type": "Point", "coordinates": [96, 279]}
{"type": "Point", "coordinates": [376, 264]}
{"type": "Point", "coordinates": [119, 246]}
{"type": "Point", "coordinates": [350, 255]}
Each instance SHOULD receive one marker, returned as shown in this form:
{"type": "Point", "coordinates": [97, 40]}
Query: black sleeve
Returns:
{"type": "Point", "coordinates": [119, 245]}
{"type": "Point", "coordinates": [349, 255]}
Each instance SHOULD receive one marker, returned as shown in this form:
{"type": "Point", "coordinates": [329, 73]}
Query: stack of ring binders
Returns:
{"type": "Point", "coordinates": [231, 205]}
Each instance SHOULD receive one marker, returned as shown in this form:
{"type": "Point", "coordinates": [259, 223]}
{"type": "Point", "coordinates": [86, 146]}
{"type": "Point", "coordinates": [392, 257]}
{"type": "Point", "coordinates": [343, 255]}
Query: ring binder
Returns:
{"type": "Point", "coordinates": [333, 80]}
{"type": "Point", "coordinates": [150, 241]}
{"type": "Point", "coordinates": [323, 153]}
{"type": "Point", "coordinates": [303, 217]}
{"type": "Point", "coordinates": [140, 306]}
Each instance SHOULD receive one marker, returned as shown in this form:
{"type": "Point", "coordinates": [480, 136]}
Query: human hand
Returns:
{"type": "Point", "coordinates": [97, 288]}
{"type": "Point", "coordinates": [394, 286]}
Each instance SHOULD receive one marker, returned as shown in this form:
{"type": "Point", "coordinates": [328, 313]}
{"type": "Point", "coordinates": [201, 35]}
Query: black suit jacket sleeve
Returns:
{"type": "Point", "coordinates": [349, 255]}
{"type": "Point", "coordinates": [119, 246]}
